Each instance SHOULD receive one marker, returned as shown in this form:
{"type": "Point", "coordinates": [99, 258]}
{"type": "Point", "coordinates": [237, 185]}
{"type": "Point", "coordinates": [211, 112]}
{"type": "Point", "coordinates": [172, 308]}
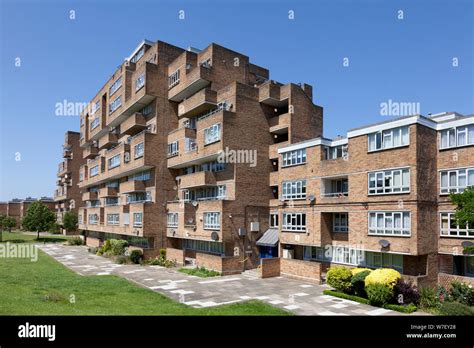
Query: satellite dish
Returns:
{"type": "Point", "coordinates": [311, 198]}
{"type": "Point", "coordinates": [467, 243]}
{"type": "Point", "coordinates": [190, 221]}
{"type": "Point", "coordinates": [384, 243]}
{"type": "Point", "coordinates": [215, 236]}
{"type": "Point", "coordinates": [194, 203]}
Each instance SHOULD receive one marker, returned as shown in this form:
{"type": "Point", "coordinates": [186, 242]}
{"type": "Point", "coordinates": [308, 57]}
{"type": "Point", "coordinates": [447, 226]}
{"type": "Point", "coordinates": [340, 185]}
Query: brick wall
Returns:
{"type": "Point", "coordinates": [175, 254]}
{"type": "Point", "coordinates": [269, 268]}
{"type": "Point", "coordinates": [93, 242]}
{"type": "Point", "coordinates": [305, 270]}
{"type": "Point", "coordinates": [225, 265]}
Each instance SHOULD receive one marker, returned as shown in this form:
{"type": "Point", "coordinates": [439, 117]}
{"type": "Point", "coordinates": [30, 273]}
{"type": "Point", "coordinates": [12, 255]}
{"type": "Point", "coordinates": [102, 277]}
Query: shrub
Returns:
{"type": "Point", "coordinates": [346, 296]}
{"type": "Point", "coordinates": [158, 261]}
{"type": "Point", "coordinates": [406, 292]}
{"type": "Point", "coordinates": [358, 282]}
{"type": "Point", "coordinates": [399, 308]}
{"type": "Point", "coordinates": [468, 250]}
{"type": "Point", "coordinates": [117, 246]}
{"type": "Point", "coordinates": [54, 228]}
{"type": "Point", "coordinates": [121, 259]}
{"type": "Point", "coordinates": [163, 253]}
{"type": "Point", "coordinates": [136, 256]}
{"type": "Point", "coordinates": [339, 278]}
{"type": "Point", "coordinates": [442, 294]}
{"type": "Point", "coordinates": [428, 298]}
{"type": "Point", "coordinates": [70, 220]}
{"type": "Point", "coordinates": [456, 308]}
{"type": "Point", "coordinates": [379, 294]}
{"type": "Point", "coordinates": [384, 276]}
{"type": "Point", "coordinates": [355, 271]}
{"type": "Point", "coordinates": [75, 241]}
{"type": "Point", "coordinates": [462, 293]}
{"type": "Point", "coordinates": [200, 272]}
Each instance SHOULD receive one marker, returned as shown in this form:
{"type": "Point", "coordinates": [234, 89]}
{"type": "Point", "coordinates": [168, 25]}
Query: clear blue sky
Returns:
{"type": "Point", "coordinates": [407, 60]}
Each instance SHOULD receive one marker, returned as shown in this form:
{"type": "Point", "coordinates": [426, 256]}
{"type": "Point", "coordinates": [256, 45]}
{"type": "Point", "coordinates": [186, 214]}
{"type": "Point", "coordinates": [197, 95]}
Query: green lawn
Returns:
{"type": "Point", "coordinates": [200, 272]}
{"type": "Point", "coordinates": [44, 288]}
{"type": "Point", "coordinates": [18, 237]}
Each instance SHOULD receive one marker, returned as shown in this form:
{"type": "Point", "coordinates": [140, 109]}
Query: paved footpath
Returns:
{"type": "Point", "coordinates": [298, 296]}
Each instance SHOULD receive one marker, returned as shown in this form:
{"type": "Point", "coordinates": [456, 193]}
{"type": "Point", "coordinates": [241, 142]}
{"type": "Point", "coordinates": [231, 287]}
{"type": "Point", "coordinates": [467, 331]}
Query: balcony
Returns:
{"type": "Point", "coordinates": [134, 124]}
{"type": "Point", "coordinates": [199, 103]}
{"type": "Point", "coordinates": [90, 152]}
{"type": "Point", "coordinates": [132, 186]}
{"type": "Point", "coordinates": [190, 82]}
{"type": "Point", "coordinates": [107, 141]}
{"type": "Point", "coordinates": [67, 153]}
{"type": "Point", "coordinates": [272, 94]}
{"type": "Point", "coordinates": [108, 192]}
{"type": "Point", "coordinates": [63, 168]}
{"type": "Point", "coordinates": [60, 194]}
{"type": "Point", "coordinates": [197, 180]}
{"type": "Point", "coordinates": [90, 196]}
{"type": "Point", "coordinates": [335, 187]}
{"type": "Point", "coordinates": [273, 149]}
{"type": "Point", "coordinates": [280, 124]}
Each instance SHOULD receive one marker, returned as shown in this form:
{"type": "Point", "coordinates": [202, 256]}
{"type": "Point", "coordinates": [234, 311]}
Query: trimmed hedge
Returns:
{"type": "Point", "coordinates": [339, 278]}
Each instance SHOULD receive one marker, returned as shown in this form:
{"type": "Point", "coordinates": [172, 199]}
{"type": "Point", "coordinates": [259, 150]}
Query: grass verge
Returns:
{"type": "Point", "coordinates": [200, 272]}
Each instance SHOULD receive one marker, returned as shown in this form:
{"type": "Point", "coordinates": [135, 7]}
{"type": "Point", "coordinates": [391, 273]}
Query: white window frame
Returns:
{"type": "Point", "coordinates": [293, 189]}
{"type": "Point", "coordinates": [114, 162]}
{"type": "Point", "coordinates": [273, 220]}
{"type": "Point", "coordinates": [386, 139]}
{"type": "Point", "coordinates": [95, 123]}
{"type": "Point", "coordinates": [94, 171]}
{"type": "Point", "coordinates": [173, 149]}
{"type": "Point", "coordinates": [388, 227]}
{"type": "Point", "coordinates": [115, 86]}
{"type": "Point", "coordinates": [139, 150]}
{"type": "Point", "coordinates": [451, 232]}
{"type": "Point", "coordinates": [137, 219]}
{"type": "Point", "coordinates": [452, 136]}
{"type": "Point", "coordinates": [139, 82]}
{"type": "Point", "coordinates": [94, 108]}
{"type": "Point", "coordinates": [113, 219]}
{"type": "Point", "coordinates": [294, 222]}
{"type": "Point", "coordinates": [173, 79]}
{"type": "Point", "coordinates": [212, 134]}
{"type": "Point", "coordinates": [458, 172]}
{"type": "Point", "coordinates": [172, 220]}
{"type": "Point", "coordinates": [212, 220]}
{"type": "Point", "coordinates": [115, 104]}
{"type": "Point", "coordinates": [93, 219]}
{"type": "Point", "coordinates": [338, 224]}
{"type": "Point", "coordinates": [376, 176]}
{"type": "Point", "coordinates": [293, 158]}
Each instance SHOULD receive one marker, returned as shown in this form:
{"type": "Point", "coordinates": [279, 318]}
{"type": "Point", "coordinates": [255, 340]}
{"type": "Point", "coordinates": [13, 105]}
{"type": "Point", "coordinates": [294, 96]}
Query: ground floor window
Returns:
{"type": "Point", "coordinates": [202, 245]}
{"type": "Point", "coordinates": [354, 257]}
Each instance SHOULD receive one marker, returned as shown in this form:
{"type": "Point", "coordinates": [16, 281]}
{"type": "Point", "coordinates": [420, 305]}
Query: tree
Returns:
{"type": "Point", "coordinates": [6, 222]}
{"type": "Point", "coordinates": [70, 220]}
{"type": "Point", "coordinates": [38, 217]}
{"type": "Point", "coordinates": [464, 214]}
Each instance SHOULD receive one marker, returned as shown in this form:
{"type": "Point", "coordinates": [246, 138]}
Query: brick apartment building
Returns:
{"type": "Point", "coordinates": [67, 196]}
{"type": "Point", "coordinates": [199, 152]}
{"type": "Point", "coordinates": [17, 208]}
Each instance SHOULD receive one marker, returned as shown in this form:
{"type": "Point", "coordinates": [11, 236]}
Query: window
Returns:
{"type": "Point", "coordinates": [214, 166]}
{"type": "Point", "coordinates": [113, 219]}
{"type": "Point", "coordinates": [335, 152]}
{"type": "Point", "coordinates": [79, 219]}
{"type": "Point", "coordinates": [112, 184]}
{"type": "Point", "coordinates": [294, 189]}
{"type": "Point", "coordinates": [81, 177]}
{"type": "Point", "coordinates": [173, 79]}
{"type": "Point", "coordinates": [140, 82]}
{"type": "Point", "coordinates": [115, 104]}
{"type": "Point", "coordinates": [139, 150]}
{"type": "Point", "coordinates": [454, 137]}
{"type": "Point", "coordinates": [449, 227]}
{"type": "Point", "coordinates": [388, 138]}
{"type": "Point", "coordinates": [93, 204]}
{"type": "Point", "coordinates": [273, 219]}
{"type": "Point", "coordinates": [137, 219]}
{"type": "Point", "coordinates": [190, 145]}
{"type": "Point", "coordinates": [94, 171]}
{"type": "Point", "coordinates": [95, 123]}
{"type": "Point", "coordinates": [356, 257]}
{"type": "Point", "coordinates": [173, 149]}
{"type": "Point", "coordinates": [389, 223]}
{"type": "Point", "coordinates": [292, 158]}
{"type": "Point", "coordinates": [114, 161]}
{"type": "Point", "coordinates": [202, 245]}
{"type": "Point", "coordinates": [212, 221]}
{"type": "Point", "coordinates": [93, 219]}
{"type": "Point", "coordinates": [95, 107]}
{"type": "Point", "coordinates": [389, 181]}
{"type": "Point", "coordinates": [142, 176]}
{"type": "Point", "coordinates": [212, 134]}
{"type": "Point", "coordinates": [110, 201]}
{"type": "Point", "coordinates": [172, 219]}
{"type": "Point", "coordinates": [147, 110]}
{"type": "Point", "coordinates": [456, 180]}
{"type": "Point", "coordinates": [340, 222]}
{"type": "Point", "coordinates": [139, 54]}
{"type": "Point", "coordinates": [115, 86]}
{"type": "Point", "coordinates": [139, 197]}
{"type": "Point", "coordinates": [207, 193]}
{"type": "Point", "coordinates": [294, 222]}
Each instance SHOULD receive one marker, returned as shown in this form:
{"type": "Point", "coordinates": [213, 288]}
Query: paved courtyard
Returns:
{"type": "Point", "coordinates": [297, 296]}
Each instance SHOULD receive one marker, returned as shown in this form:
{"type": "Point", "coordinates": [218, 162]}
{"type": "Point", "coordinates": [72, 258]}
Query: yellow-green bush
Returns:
{"type": "Point", "coordinates": [339, 278]}
{"type": "Point", "coordinates": [384, 276]}
{"type": "Point", "coordinates": [358, 270]}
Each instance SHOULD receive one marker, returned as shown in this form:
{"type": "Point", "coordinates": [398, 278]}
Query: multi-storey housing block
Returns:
{"type": "Point", "coordinates": [377, 198]}
{"type": "Point", "coordinates": [67, 195]}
